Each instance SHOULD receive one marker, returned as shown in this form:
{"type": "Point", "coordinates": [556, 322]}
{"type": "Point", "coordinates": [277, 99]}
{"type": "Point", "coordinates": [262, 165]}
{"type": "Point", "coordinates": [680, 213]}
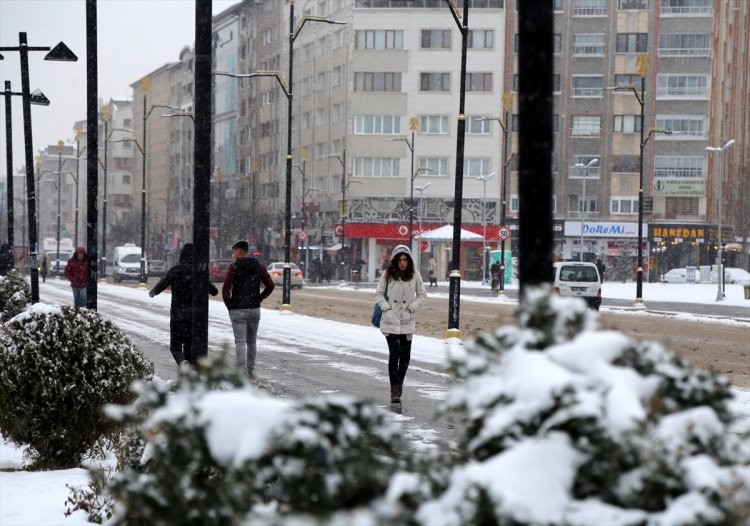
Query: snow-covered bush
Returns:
{"type": "Point", "coordinates": [57, 370]}
{"type": "Point", "coordinates": [14, 294]}
{"type": "Point", "coordinates": [568, 425]}
{"type": "Point", "coordinates": [217, 449]}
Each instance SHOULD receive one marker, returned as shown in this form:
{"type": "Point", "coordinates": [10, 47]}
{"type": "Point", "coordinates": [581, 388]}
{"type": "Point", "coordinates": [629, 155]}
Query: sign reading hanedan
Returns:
{"type": "Point", "coordinates": [688, 187]}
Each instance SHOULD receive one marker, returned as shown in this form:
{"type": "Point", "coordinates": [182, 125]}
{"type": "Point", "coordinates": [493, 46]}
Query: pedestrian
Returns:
{"type": "Point", "coordinates": [400, 292]}
{"type": "Point", "coordinates": [6, 259]}
{"type": "Point", "coordinates": [180, 279]}
{"type": "Point", "coordinates": [242, 294]}
{"type": "Point", "coordinates": [44, 268]}
{"type": "Point", "coordinates": [432, 271]}
{"type": "Point", "coordinates": [77, 272]}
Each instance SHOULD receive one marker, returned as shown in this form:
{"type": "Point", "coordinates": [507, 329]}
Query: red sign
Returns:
{"type": "Point", "coordinates": [504, 233]}
{"type": "Point", "coordinates": [339, 230]}
{"type": "Point", "coordinates": [302, 235]}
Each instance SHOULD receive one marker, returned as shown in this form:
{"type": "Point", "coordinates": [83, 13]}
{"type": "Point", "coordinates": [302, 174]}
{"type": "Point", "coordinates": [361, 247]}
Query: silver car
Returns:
{"type": "Point", "coordinates": [276, 270]}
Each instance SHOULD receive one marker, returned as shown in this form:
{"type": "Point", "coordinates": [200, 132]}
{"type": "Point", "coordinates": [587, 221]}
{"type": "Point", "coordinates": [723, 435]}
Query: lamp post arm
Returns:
{"type": "Point", "coordinates": [312, 18]}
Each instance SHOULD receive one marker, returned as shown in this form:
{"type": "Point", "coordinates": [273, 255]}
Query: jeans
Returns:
{"type": "Point", "coordinates": [79, 296]}
{"type": "Point", "coordinates": [245, 327]}
{"type": "Point", "coordinates": [399, 354]}
{"type": "Point", "coordinates": [180, 336]}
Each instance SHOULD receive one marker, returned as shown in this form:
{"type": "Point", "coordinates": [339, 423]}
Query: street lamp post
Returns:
{"type": "Point", "coordinates": [719, 151]}
{"type": "Point", "coordinates": [60, 148]}
{"type": "Point", "coordinates": [59, 53]}
{"type": "Point", "coordinates": [454, 290]}
{"type": "Point", "coordinates": [582, 206]}
{"type": "Point", "coordinates": [421, 190]}
{"type": "Point", "coordinates": [485, 248]}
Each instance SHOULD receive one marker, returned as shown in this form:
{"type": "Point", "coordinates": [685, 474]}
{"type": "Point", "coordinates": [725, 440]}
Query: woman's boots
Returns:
{"type": "Point", "coordinates": [396, 391]}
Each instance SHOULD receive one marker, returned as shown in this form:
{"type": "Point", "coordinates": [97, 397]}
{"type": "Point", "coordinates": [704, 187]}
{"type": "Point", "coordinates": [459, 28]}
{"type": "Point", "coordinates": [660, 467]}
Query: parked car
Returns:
{"type": "Point", "coordinates": [217, 269]}
{"type": "Point", "coordinates": [276, 270]}
{"type": "Point", "coordinates": [157, 267]}
{"type": "Point", "coordinates": [676, 275]}
{"type": "Point", "coordinates": [578, 279]}
{"type": "Point", "coordinates": [736, 275]}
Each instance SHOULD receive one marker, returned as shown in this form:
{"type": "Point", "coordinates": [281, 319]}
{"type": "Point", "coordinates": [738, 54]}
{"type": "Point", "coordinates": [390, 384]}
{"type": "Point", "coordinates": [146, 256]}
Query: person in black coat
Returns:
{"type": "Point", "coordinates": [180, 279]}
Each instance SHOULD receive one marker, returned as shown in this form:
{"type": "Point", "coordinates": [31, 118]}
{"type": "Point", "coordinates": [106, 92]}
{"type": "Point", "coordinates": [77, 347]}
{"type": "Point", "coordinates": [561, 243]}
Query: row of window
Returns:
{"type": "Point", "coordinates": [382, 39]}
{"type": "Point", "coordinates": [668, 85]}
{"type": "Point", "coordinates": [586, 125]}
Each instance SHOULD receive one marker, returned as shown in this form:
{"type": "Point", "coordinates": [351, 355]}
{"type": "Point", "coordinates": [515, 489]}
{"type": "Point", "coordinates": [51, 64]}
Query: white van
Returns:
{"type": "Point", "coordinates": [126, 262]}
{"type": "Point", "coordinates": [578, 279]}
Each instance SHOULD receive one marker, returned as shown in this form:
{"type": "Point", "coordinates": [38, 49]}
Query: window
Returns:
{"type": "Point", "coordinates": [682, 86]}
{"type": "Point", "coordinates": [590, 7]}
{"type": "Point", "coordinates": [434, 81]}
{"type": "Point", "coordinates": [580, 203]}
{"type": "Point", "coordinates": [586, 126]}
{"type": "Point", "coordinates": [587, 85]}
{"type": "Point", "coordinates": [685, 45]}
{"type": "Point", "coordinates": [434, 124]}
{"type": "Point", "coordinates": [377, 125]}
{"type": "Point", "coordinates": [337, 75]}
{"type": "Point", "coordinates": [475, 125]}
{"type": "Point", "coordinates": [434, 166]}
{"type": "Point", "coordinates": [337, 112]}
{"type": "Point", "coordinates": [625, 5]}
{"type": "Point", "coordinates": [435, 39]}
{"type": "Point", "coordinates": [626, 164]}
{"type": "Point", "coordinates": [515, 203]}
{"type": "Point", "coordinates": [627, 124]}
{"type": "Point", "coordinates": [681, 207]}
{"type": "Point", "coordinates": [320, 81]}
{"type": "Point", "coordinates": [627, 81]}
{"type": "Point", "coordinates": [305, 86]}
{"type": "Point", "coordinates": [321, 116]}
{"type": "Point", "coordinates": [686, 7]}
{"type": "Point", "coordinates": [588, 44]}
{"type": "Point", "coordinates": [479, 82]}
{"type": "Point", "coordinates": [376, 167]}
{"type": "Point", "coordinates": [379, 39]}
{"type": "Point", "coordinates": [304, 120]}
{"type": "Point", "coordinates": [481, 39]}
{"type": "Point", "coordinates": [380, 81]}
{"type": "Point", "coordinates": [665, 166]}
{"type": "Point", "coordinates": [579, 170]}
{"type": "Point", "coordinates": [126, 179]}
{"type": "Point", "coordinates": [321, 150]}
{"type": "Point", "coordinates": [632, 42]}
{"type": "Point", "coordinates": [690, 125]}
{"type": "Point", "coordinates": [623, 205]}
{"type": "Point", "coordinates": [474, 167]}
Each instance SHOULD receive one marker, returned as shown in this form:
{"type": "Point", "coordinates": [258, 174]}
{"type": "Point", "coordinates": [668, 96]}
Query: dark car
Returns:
{"type": "Point", "coordinates": [157, 267]}
{"type": "Point", "coordinates": [217, 269]}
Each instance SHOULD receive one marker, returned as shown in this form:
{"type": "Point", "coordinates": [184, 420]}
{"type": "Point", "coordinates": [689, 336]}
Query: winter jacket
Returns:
{"type": "Point", "coordinates": [241, 288]}
{"type": "Point", "coordinates": [404, 298]}
{"type": "Point", "coordinates": [180, 279]}
{"type": "Point", "coordinates": [77, 270]}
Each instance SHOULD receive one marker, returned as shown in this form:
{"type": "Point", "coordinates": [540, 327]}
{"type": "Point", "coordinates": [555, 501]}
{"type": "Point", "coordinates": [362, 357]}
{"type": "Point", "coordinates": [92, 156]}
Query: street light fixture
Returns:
{"type": "Point", "coordinates": [59, 53]}
{"type": "Point", "coordinates": [485, 248]}
{"type": "Point", "coordinates": [582, 206]}
{"type": "Point", "coordinates": [719, 151]}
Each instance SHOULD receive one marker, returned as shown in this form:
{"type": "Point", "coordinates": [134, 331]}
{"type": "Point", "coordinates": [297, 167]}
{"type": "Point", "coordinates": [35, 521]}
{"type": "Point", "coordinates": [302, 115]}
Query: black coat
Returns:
{"type": "Point", "coordinates": [180, 279]}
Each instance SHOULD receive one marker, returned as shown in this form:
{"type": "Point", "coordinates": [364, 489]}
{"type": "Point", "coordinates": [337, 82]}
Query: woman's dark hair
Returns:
{"type": "Point", "coordinates": [393, 272]}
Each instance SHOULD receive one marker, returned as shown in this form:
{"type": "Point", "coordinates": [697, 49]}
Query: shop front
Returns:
{"type": "Point", "coordinates": [377, 240]}
{"type": "Point", "coordinates": [680, 245]}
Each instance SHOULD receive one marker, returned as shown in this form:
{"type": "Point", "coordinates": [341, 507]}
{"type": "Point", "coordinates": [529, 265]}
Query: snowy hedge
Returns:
{"type": "Point", "coordinates": [57, 370]}
{"type": "Point", "coordinates": [14, 294]}
{"type": "Point", "coordinates": [217, 450]}
{"type": "Point", "coordinates": [567, 425]}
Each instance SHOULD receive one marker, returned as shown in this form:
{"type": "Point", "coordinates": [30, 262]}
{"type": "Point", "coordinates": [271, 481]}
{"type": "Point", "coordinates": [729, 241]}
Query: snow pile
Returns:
{"type": "Point", "coordinates": [566, 425]}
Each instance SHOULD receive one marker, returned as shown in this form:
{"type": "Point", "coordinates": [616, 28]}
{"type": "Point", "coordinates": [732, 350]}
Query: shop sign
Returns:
{"type": "Point", "coordinates": [689, 187]}
{"type": "Point", "coordinates": [603, 229]}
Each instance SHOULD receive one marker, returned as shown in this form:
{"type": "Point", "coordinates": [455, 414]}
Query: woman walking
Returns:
{"type": "Point", "coordinates": [400, 293]}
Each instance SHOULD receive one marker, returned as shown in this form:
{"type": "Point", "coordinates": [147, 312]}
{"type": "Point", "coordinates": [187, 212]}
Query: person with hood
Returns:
{"type": "Point", "coordinates": [44, 267]}
{"type": "Point", "coordinates": [242, 296]}
{"type": "Point", "coordinates": [77, 272]}
{"type": "Point", "coordinates": [180, 279]}
{"type": "Point", "coordinates": [400, 292]}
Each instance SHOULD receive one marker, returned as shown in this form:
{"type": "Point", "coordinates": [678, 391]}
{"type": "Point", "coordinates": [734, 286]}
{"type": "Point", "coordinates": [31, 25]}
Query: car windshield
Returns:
{"type": "Point", "coordinates": [131, 258]}
{"type": "Point", "coordinates": [578, 273]}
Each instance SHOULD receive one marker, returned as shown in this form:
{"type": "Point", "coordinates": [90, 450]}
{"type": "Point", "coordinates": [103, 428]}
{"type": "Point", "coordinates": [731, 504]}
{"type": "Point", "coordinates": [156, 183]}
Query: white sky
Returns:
{"type": "Point", "coordinates": [39, 497]}
{"type": "Point", "coordinates": [135, 37]}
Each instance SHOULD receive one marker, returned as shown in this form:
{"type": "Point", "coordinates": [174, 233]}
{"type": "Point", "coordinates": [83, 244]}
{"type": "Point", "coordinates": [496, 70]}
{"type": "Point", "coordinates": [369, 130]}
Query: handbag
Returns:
{"type": "Point", "coordinates": [377, 312]}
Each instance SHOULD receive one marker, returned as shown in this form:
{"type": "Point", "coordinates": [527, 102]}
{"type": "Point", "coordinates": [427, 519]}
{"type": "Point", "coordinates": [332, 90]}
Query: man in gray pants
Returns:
{"type": "Point", "coordinates": [242, 295]}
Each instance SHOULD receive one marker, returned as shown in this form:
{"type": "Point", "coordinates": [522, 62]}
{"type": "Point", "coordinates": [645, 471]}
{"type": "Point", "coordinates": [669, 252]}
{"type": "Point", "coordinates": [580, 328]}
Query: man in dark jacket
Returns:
{"type": "Point", "coordinates": [242, 295]}
{"type": "Point", "coordinates": [180, 279]}
{"type": "Point", "coordinates": [77, 272]}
